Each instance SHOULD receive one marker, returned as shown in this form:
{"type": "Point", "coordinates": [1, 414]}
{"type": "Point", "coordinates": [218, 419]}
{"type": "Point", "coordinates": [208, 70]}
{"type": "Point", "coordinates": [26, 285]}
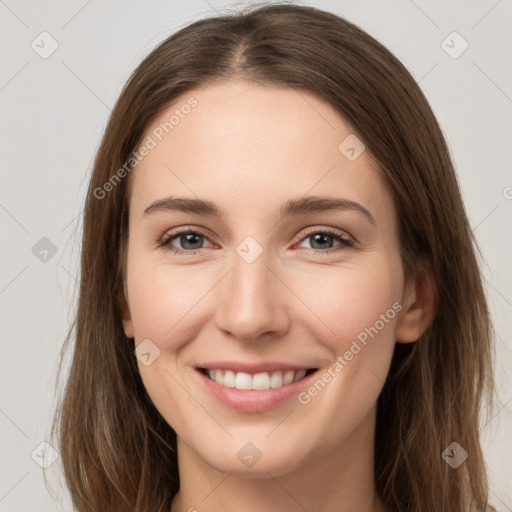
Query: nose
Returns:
{"type": "Point", "coordinates": [252, 303]}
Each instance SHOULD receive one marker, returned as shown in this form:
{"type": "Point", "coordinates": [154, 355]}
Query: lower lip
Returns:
{"type": "Point", "coordinates": [251, 400]}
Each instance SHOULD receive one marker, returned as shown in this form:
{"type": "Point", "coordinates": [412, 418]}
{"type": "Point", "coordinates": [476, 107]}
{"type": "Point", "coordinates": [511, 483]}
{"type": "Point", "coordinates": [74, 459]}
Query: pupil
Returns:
{"type": "Point", "coordinates": [189, 239]}
{"type": "Point", "coordinates": [321, 238]}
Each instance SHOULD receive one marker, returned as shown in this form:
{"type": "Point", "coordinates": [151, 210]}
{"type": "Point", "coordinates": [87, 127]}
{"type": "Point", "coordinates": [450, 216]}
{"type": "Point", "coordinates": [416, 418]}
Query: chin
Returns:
{"type": "Point", "coordinates": [253, 459]}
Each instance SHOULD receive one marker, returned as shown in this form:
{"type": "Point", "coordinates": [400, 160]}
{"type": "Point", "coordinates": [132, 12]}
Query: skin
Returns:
{"type": "Point", "coordinates": [249, 149]}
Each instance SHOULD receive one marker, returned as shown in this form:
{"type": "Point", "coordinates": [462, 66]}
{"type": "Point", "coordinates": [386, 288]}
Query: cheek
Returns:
{"type": "Point", "coordinates": [348, 301]}
{"type": "Point", "coordinates": [163, 300]}
{"type": "Point", "coordinates": [163, 305]}
{"type": "Point", "coordinates": [360, 305]}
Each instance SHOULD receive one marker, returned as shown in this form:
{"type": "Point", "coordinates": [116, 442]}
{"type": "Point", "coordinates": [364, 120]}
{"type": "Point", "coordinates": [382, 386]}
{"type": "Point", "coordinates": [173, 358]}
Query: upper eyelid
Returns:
{"type": "Point", "coordinates": [329, 230]}
{"type": "Point", "coordinates": [168, 235]}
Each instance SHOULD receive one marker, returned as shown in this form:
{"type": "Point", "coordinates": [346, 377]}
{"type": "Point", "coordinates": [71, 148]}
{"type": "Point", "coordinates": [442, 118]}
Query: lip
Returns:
{"type": "Point", "coordinates": [253, 401]}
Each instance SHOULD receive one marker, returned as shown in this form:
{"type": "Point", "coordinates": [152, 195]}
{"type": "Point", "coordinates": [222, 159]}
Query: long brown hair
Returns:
{"type": "Point", "coordinates": [118, 453]}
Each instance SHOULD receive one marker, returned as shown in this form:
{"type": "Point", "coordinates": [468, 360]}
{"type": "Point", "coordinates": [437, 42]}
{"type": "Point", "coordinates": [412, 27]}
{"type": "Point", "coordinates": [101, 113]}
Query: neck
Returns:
{"type": "Point", "coordinates": [337, 478]}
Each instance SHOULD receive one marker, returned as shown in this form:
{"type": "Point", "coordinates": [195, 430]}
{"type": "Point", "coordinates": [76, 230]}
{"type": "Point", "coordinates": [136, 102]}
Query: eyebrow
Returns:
{"type": "Point", "coordinates": [303, 205]}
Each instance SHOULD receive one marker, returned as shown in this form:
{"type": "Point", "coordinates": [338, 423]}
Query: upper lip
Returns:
{"type": "Point", "coordinates": [264, 366]}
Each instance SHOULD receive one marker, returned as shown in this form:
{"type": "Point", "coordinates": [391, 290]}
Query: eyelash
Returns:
{"type": "Point", "coordinates": [345, 241]}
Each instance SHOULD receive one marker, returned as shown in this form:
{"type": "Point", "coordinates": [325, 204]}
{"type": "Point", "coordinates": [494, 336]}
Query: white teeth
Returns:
{"type": "Point", "coordinates": [288, 377]}
{"type": "Point", "coordinates": [242, 380]}
{"type": "Point", "coordinates": [229, 379]}
{"type": "Point", "coordinates": [259, 381]}
{"type": "Point", "coordinates": [276, 380]}
{"type": "Point", "coordinates": [299, 375]}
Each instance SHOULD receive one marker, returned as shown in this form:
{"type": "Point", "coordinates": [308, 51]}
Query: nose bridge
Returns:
{"type": "Point", "coordinates": [252, 302]}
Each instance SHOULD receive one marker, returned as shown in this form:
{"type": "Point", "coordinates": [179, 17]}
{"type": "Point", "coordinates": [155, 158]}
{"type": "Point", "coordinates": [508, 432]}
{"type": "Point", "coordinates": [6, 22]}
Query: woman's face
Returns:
{"type": "Point", "coordinates": [271, 283]}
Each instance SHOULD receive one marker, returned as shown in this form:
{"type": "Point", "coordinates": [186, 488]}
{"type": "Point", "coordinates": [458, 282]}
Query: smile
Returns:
{"type": "Point", "coordinates": [255, 386]}
{"type": "Point", "coordinates": [259, 381]}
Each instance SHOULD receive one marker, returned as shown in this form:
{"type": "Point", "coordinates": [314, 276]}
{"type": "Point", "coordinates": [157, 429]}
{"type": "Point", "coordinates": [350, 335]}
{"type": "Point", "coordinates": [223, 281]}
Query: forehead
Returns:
{"type": "Point", "coordinates": [254, 146]}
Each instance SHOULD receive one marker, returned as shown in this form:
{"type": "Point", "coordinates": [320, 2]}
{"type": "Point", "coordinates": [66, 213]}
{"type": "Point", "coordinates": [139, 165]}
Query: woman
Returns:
{"type": "Point", "coordinates": [280, 303]}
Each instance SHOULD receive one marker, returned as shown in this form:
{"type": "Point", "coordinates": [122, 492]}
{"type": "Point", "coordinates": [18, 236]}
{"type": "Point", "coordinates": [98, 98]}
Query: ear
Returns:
{"type": "Point", "coordinates": [419, 306]}
{"type": "Point", "coordinates": [125, 311]}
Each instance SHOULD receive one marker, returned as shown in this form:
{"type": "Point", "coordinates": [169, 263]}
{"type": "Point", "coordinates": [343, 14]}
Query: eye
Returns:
{"type": "Point", "coordinates": [323, 240]}
{"type": "Point", "coordinates": [189, 239]}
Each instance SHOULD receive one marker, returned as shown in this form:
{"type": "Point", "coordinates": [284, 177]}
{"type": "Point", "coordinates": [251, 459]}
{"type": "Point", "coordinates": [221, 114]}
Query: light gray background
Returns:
{"type": "Point", "coordinates": [54, 111]}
